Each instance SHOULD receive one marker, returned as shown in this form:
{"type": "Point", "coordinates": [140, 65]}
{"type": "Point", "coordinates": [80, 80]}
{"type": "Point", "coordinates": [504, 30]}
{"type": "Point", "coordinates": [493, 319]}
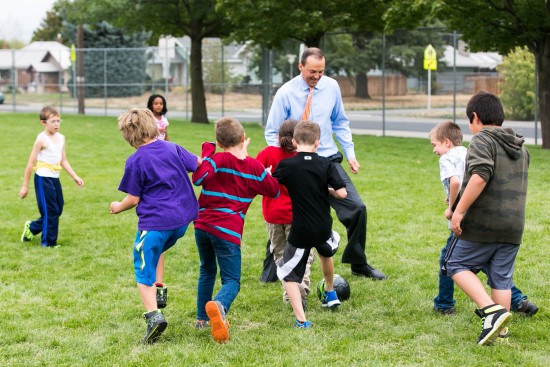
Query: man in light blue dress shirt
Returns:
{"type": "Point", "coordinates": [327, 110]}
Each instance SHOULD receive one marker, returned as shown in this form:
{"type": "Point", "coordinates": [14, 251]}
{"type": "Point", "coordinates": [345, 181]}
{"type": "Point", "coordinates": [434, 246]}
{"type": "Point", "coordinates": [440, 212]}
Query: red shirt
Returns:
{"type": "Point", "coordinates": [276, 210]}
{"type": "Point", "coordinates": [229, 185]}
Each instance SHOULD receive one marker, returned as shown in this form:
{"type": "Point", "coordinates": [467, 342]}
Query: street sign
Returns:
{"type": "Point", "coordinates": [430, 58]}
{"type": "Point", "coordinates": [73, 53]}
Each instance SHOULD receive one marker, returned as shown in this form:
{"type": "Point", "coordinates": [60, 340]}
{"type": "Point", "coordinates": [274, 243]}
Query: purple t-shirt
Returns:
{"type": "Point", "coordinates": [157, 174]}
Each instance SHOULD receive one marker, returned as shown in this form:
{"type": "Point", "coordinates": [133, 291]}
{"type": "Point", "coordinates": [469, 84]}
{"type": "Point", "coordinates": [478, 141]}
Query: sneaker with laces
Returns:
{"type": "Point", "coordinates": [156, 324]}
{"type": "Point", "coordinates": [27, 235]}
{"type": "Point", "coordinates": [202, 324]}
{"type": "Point", "coordinates": [527, 309]}
{"type": "Point", "coordinates": [302, 324]}
{"type": "Point", "coordinates": [331, 299]}
{"type": "Point", "coordinates": [162, 295]}
{"type": "Point", "coordinates": [493, 319]}
{"type": "Point", "coordinates": [218, 322]}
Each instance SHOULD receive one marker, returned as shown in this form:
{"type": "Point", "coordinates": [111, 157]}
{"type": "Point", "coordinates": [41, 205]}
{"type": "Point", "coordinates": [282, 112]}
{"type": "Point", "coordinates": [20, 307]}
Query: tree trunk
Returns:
{"type": "Point", "coordinates": [543, 61]}
{"type": "Point", "coordinates": [198, 99]}
{"type": "Point", "coordinates": [362, 86]}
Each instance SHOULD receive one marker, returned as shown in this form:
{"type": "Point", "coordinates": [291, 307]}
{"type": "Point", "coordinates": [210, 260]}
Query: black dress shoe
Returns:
{"type": "Point", "coordinates": [367, 271]}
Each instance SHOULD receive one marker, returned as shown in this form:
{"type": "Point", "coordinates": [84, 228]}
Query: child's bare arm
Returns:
{"type": "Point", "coordinates": [338, 194]}
{"type": "Point", "coordinates": [128, 202]}
{"type": "Point", "coordinates": [454, 189]}
{"type": "Point", "coordinates": [474, 187]}
{"type": "Point", "coordinates": [38, 145]}
{"type": "Point", "coordinates": [67, 167]}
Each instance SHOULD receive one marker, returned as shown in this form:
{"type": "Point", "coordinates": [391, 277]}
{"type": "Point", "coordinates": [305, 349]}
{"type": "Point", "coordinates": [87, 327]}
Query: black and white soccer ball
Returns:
{"type": "Point", "coordinates": [341, 286]}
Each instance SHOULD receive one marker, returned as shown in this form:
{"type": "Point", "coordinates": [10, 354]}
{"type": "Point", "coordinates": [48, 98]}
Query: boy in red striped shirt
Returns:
{"type": "Point", "coordinates": [230, 180]}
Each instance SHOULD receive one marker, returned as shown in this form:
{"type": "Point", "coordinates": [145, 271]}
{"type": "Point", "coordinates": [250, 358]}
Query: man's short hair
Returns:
{"type": "Point", "coordinates": [307, 132]}
{"type": "Point", "coordinates": [229, 132]}
{"type": "Point", "coordinates": [311, 51]}
{"type": "Point", "coordinates": [487, 107]}
{"type": "Point", "coordinates": [447, 130]}
{"type": "Point", "coordinates": [138, 126]}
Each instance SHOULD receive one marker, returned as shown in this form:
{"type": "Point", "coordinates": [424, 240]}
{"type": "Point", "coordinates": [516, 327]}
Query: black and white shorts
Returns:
{"type": "Point", "coordinates": [292, 266]}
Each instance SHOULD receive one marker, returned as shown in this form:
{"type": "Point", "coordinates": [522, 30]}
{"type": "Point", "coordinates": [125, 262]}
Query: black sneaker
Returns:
{"type": "Point", "coordinates": [162, 295]}
{"type": "Point", "coordinates": [156, 324]}
{"type": "Point", "coordinates": [527, 309]}
{"type": "Point", "coordinates": [493, 319]}
{"type": "Point", "coordinates": [445, 311]}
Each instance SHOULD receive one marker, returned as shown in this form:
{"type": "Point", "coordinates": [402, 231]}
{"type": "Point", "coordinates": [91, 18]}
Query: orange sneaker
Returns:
{"type": "Point", "coordinates": [220, 326]}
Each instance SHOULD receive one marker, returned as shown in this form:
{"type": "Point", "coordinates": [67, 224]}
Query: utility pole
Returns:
{"type": "Point", "coordinates": [80, 68]}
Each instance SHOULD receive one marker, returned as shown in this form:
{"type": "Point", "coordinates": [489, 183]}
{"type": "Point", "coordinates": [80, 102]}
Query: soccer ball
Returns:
{"type": "Point", "coordinates": [341, 286]}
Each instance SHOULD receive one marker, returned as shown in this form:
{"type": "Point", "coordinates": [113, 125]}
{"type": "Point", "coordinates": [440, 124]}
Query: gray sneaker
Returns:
{"type": "Point", "coordinates": [156, 324]}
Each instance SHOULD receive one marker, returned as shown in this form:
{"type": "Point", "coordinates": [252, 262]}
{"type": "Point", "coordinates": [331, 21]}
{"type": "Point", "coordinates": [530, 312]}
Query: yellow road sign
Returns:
{"type": "Point", "coordinates": [73, 53]}
{"type": "Point", "coordinates": [430, 58]}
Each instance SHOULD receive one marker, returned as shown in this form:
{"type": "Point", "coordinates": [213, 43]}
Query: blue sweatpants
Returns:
{"type": "Point", "coordinates": [49, 197]}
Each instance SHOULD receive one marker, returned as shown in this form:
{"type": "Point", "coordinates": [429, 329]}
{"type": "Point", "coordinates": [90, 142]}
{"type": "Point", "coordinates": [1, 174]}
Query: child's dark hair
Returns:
{"type": "Point", "coordinates": [48, 111]}
{"type": "Point", "coordinates": [150, 103]}
{"type": "Point", "coordinates": [487, 107]}
{"type": "Point", "coordinates": [447, 130]}
{"type": "Point", "coordinates": [307, 132]}
{"type": "Point", "coordinates": [229, 132]}
{"type": "Point", "coordinates": [286, 133]}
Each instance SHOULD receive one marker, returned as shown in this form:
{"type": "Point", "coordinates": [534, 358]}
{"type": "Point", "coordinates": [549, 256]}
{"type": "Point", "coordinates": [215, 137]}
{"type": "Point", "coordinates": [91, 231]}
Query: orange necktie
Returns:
{"type": "Point", "coordinates": [305, 115]}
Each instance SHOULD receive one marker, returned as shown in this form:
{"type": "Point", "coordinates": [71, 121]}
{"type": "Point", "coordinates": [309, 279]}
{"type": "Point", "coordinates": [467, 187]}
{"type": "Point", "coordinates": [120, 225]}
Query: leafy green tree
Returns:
{"type": "Point", "coordinates": [50, 29]}
{"type": "Point", "coordinates": [517, 91]}
{"type": "Point", "coordinates": [197, 19]}
{"type": "Point", "coordinates": [503, 25]}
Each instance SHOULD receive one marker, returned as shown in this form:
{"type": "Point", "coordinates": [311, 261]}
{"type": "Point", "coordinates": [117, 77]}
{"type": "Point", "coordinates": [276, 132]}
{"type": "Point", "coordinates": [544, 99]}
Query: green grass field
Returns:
{"type": "Point", "coordinates": [78, 305]}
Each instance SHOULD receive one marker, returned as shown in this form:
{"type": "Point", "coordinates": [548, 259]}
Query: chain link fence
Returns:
{"type": "Point", "coordinates": [390, 74]}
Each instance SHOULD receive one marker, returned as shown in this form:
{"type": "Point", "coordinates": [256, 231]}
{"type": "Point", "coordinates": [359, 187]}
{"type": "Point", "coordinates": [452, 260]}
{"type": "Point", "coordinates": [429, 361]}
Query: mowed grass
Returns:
{"type": "Point", "coordinates": [78, 305]}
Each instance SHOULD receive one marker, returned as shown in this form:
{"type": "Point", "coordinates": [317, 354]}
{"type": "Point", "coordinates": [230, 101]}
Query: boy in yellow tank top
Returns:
{"type": "Point", "coordinates": [47, 159]}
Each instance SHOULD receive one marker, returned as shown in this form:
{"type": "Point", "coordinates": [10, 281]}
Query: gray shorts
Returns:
{"type": "Point", "coordinates": [497, 260]}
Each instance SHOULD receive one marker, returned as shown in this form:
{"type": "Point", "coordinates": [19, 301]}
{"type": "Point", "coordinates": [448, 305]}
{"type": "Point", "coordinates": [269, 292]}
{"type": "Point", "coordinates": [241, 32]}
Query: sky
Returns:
{"type": "Point", "coordinates": [19, 18]}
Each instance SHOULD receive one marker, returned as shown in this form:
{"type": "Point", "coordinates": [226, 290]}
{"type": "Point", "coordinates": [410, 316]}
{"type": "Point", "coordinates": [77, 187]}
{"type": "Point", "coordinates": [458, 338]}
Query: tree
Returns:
{"type": "Point", "coordinates": [503, 25]}
{"type": "Point", "coordinates": [517, 91]}
{"type": "Point", "coordinates": [50, 29]}
{"type": "Point", "coordinates": [197, 19]}
{"type": "Point", "coordinates": [269, 23]}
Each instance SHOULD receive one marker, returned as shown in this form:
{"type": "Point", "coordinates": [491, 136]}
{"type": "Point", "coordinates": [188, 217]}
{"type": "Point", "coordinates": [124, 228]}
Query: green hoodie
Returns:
{"type": "Point", "coordinates": [498, 215]}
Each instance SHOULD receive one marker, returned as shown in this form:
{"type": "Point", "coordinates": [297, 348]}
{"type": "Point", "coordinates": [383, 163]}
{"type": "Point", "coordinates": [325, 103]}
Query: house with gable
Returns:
{"type": "Point", "coordinates": [40, 67]}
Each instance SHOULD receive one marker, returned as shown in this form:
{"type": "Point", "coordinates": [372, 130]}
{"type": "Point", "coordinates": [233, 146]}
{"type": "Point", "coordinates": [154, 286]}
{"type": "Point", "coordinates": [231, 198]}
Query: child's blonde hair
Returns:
{"type": "Point", "coordinates": [447, 130]}
{"type": "Point", "coordinates": [48, 111]}
{"type": "Point", "coordinates": [137, 126]}
{"type": "Point", "coordinates": [229, 132]}
{"type": "Point", "coordinates": [286, 133]}
{"type": "Point", "coordinates": [307, 132]}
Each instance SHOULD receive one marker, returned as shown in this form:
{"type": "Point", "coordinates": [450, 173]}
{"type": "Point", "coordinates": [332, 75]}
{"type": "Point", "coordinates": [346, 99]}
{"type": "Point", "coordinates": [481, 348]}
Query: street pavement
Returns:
{"type": "Point", "coordinates": [397, 122]}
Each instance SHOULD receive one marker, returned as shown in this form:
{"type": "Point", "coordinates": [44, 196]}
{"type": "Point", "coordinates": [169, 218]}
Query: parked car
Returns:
{"type": "Point", "coordinates": [1, 98]}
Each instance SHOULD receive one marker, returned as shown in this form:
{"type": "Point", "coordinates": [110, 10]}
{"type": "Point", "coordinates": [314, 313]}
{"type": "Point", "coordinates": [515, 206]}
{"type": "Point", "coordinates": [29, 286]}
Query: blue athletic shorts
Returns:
{"type": "Point", "coordinates": [148, 247]}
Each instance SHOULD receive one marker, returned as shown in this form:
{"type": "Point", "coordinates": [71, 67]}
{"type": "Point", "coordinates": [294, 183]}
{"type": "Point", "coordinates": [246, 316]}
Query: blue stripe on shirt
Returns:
{"type": "Point", "coordinates": [225, 210]}
{"type": "Point", "coordinates": [244, 175]}
{"type": "Point", "coordinates": [227, 196]}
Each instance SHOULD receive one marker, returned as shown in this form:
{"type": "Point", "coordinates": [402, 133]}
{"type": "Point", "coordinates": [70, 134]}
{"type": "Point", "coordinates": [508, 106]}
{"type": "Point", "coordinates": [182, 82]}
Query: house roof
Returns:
{"type": "Point", "coordinates": [36, 52]}
{"type": "Point", "coordinates": [44, 67]}
{"type": "Point", "coordinates": [464, 59]}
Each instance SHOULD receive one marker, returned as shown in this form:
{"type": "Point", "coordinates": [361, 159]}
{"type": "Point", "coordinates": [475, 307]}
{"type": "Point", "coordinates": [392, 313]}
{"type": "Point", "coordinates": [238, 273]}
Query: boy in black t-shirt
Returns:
{"type": "Point", "coordinates": [310, 179]}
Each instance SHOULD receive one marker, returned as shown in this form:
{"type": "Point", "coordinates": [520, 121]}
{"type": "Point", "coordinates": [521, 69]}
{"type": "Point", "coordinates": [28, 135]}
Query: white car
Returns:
{"type": "Point", "coordinates": [1, 98]}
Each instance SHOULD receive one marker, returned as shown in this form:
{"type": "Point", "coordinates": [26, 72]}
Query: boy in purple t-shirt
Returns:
{"type": "Point", "coordinates": [156, 181]}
